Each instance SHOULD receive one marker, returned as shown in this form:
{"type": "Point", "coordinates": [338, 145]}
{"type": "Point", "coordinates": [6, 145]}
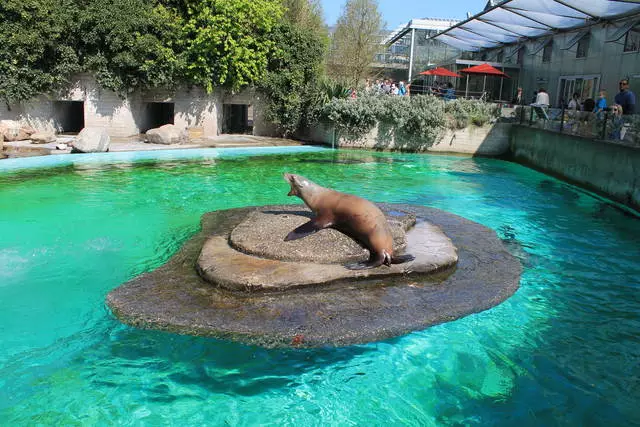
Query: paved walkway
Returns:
{"type": "Point", "coordinates": [26, 148]}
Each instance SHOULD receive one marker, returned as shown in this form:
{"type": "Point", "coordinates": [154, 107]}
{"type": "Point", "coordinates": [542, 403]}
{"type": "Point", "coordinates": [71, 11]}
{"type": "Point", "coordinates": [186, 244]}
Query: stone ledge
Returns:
{"type": "Point", "coordinates": [222, 265]}
{"type": "Point", "coordinates": [175, 298]}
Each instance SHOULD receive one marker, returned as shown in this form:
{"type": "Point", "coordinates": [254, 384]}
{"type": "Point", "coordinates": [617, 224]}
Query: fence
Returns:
{"type": "Point", "coordinates": [604, 125]}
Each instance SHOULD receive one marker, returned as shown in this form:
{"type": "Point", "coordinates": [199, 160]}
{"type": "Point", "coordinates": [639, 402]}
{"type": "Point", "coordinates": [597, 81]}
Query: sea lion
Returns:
{"type": "Point", "coordinates": [352, 215]}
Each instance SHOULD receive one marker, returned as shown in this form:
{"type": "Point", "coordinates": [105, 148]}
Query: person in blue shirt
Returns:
{"type": "Point", "coordinates": [626, 98]}
{"type": "Point", "coordinates": [601, 103]}
{"type": "Point", "coordinates": [450, 93]}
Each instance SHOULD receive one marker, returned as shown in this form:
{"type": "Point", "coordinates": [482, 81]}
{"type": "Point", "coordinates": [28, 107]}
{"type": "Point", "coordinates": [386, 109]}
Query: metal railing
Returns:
{"type": "Point", "coordinates": [603, 125]}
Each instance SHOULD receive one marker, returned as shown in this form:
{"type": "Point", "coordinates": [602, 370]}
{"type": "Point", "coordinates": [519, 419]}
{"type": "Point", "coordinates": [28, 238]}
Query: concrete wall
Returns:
{"type": "Point", "coordinates": [194, 109]}
{"type": "Point", "coordinates": [488, 140]}
{"type": "Point", "coordinates": [608, 168]}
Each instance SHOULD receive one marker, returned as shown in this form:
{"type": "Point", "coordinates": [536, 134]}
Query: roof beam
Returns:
{"type": "Point", "coordinates": [459, 24]}
{"type": "Point", "coordinates": [481, 35]}
{"type": "Point", "coordinates": [544, 13]}
{"type": "Point", "coordinates": [501, 27]}
{"type": "Point", "coordinates": [576, 9]}
{"type": "Point", "coordinates": [508, 9]}
{"type": "Point", "coordinates": [462, 40]}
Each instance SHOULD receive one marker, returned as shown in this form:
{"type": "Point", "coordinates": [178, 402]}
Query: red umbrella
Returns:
{"type": "Point", "coordinates": [483, 70]}
{"type": "Point", "coordinates": [439, 71]}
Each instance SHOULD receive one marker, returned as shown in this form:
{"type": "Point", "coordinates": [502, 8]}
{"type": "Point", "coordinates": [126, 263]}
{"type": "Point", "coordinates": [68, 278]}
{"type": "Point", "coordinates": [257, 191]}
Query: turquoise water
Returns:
{"type": "Point", "coordinates": [564, 350]}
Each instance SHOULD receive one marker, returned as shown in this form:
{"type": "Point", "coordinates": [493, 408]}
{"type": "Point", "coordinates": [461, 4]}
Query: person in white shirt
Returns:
{"type": "Point", "coordinates": [542, 98]}
{"type": "Point", "coordinates": [574, 104]}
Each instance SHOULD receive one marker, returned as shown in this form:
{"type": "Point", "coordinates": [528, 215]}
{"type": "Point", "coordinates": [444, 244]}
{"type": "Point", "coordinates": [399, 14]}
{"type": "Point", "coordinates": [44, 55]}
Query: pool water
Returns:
{"type": "Point", "coordinates": [564, 350]}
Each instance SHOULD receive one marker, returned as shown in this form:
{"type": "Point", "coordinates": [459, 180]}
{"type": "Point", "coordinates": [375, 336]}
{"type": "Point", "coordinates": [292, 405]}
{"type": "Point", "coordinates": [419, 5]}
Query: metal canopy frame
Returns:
{"type": "Point", "coordinates": [519, 20]}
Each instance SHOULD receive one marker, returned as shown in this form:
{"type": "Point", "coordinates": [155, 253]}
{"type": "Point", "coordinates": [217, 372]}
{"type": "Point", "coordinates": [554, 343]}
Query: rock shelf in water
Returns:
{"type": "Point", "coordinates": [237, 279]}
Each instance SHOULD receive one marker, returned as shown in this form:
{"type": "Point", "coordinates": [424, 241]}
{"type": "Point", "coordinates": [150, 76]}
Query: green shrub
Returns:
{"type": "Point", "coordinates": [416, 121]}
{"type": "Point", "coordinates": [353, 118]}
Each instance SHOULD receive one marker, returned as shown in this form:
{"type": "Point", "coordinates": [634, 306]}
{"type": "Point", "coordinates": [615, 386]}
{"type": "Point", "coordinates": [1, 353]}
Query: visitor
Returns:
{"type": "Point", "coordinates": [394, 89]}
{"type": "Point", "coordinates": [626, 98]}
{"type": "Point", "coordinates": [574, 104]}
{"type": "Point", "coordinates": [589, 105]}
{"type": "Point", "coordinates": [601, 104]}
{"type": "Point", "coordinates": [402, 90]}
{"type": "Point", "coordinates": [386, 87]}
{"type": "Point", "coordinates": [542, 98]}
{"type": "Point", "coordinates": [616, 122]}
{"type": "Point", "coordinates": [449, 93]}
{"type": "Point", "coordinates": [518, 99]}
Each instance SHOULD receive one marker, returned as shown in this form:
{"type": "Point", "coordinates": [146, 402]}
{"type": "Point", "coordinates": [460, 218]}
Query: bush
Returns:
{"type": "Point", "coordinates": [415, 121]}
{"type": "Point", "coordinates": [353, 118]}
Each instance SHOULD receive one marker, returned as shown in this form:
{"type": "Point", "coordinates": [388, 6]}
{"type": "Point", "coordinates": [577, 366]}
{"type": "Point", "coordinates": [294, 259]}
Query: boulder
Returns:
{"type": "Point", "coordinates": [91, 140]}
{"type": "Point", "coordinates": [14, 131]}
{"type": "Point", "coordinates": [167, 134]}
{"type": "Point", "coordinates": [43, 137]}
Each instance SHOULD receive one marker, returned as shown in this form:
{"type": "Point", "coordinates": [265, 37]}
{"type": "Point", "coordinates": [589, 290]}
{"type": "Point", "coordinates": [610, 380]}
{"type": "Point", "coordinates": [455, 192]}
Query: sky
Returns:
{"type": "Point", "coordinates": [398, 12]}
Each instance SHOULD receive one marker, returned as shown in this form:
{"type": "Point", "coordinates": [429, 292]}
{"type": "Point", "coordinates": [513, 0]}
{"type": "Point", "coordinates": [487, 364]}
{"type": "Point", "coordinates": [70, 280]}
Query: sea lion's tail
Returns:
{"type": "Point", "coordinates": [399, 259]}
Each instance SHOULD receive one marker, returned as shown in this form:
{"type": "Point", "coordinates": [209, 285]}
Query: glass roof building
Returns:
{"type": "Point", "coordinates": [564, 46]}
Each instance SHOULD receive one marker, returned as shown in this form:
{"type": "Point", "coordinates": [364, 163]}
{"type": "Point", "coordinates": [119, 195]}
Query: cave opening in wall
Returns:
{"type": "Point", "coordinates": [69, 116]}
{"type": "Point", "coordinates": [157, 114]}
{"type": "Point", "coordinates": [237, 118]}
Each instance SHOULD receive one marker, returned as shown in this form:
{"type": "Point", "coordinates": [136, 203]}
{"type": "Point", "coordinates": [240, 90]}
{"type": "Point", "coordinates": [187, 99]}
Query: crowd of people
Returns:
{"type": "Point", "coordinates": [384, 87]}
{"type": "Point", "coordinates": [624, 105]}
{"type": "Point", "coordinates": [390, 87]}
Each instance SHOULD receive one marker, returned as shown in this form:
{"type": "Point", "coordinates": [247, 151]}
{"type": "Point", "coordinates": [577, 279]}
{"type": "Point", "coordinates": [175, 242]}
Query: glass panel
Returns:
{"type": "Point", "coordinates": [555, 21]}
{"type": "Point", "coordinates": [525, 31]}
{"type": "Point", "coordinates": [498, 33]}
{"type": "Point", "coordinates": [583, 47]}
{"type": "Point", "coordinates": [503, 15]}
{"type": "Point", "coordinates": [602, 8]}
{"type": "Point", "coordinates": [632, 39]}
{"type": "Point", "coordinates": [472, 38]}
{"type": "Point", "coordinates": [546, 52]}
{"type": "Point", "coordinates": [546, 6]}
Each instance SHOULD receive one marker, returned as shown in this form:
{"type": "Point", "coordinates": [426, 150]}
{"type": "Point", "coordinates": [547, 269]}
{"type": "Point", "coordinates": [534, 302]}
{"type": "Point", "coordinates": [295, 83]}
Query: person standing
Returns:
{"type": "Point", "coordinates": [542, 98]}
{"type": "Point", "coordinates": [626, 98]}
{"type": "Point", "coordinates": [574, 104]}
{"type": "Point", "coordinates": [518, 99]}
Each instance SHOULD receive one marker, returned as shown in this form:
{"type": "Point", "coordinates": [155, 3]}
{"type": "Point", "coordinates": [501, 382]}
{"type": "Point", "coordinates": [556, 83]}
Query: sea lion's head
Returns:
{"type": "Point", "coordinates": [298, 184]}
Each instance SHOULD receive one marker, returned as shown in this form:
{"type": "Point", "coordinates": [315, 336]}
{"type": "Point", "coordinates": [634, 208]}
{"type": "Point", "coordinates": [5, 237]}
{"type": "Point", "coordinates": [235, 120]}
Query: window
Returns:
{"type": "Point", "coordinates": [520, 55]}
{"type": "Point", "coordinates": [546, 52]}
{"type": "Point", "coordinates": [500, 56]}
{"type": "Point", "coordinates": [632, 39]}
{"type": "Point", "coordinates": [583, 46]}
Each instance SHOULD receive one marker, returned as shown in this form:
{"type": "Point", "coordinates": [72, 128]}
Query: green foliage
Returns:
{"type": "Point", "coordinates": [462, 112]}
{"type": "Point", "coordinates": [415, 121]}
{"type": "Point", "coordinates": [228, 43]}
{"type": "Point", "coordinates": [291, 83]}
{"type": "Point", "coordinates": [36, 52]}
{"type": "Point", "coordinates": [353, 118]}
{"type": "Point", "coordinates": [355, 41]}
{"type": "Point", "coordinates": [130, 44]}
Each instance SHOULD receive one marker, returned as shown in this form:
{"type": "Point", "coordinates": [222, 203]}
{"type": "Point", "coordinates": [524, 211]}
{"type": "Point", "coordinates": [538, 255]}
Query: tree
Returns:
{"type": "Point", "coordinates": [355, 41]}
{"type": "Point", "coordinates": [296, 65]}
{"type": "Point", "coordinates": [37, 53]}
{"type": "Point", "coordinates": [130, 44]}
{"type": "Point", "coordinates": [229, 43]}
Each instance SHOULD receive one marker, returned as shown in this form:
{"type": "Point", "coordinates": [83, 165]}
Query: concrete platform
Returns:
{"type": "Point", "coordinates": [26, 148]}
{"type": "Point", "coordinates": [177, 299]}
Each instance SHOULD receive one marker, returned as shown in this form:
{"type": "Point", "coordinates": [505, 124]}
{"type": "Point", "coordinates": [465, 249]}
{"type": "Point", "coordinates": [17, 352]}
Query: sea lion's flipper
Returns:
{"type": "Point", "coordinates": [307, 229]}
{"type": "Point", "coordinates": [364, 265]}
{"type": "Point", "coordinates": [402, 258]}
{"type": "Point", "coordinates": [376, 260]}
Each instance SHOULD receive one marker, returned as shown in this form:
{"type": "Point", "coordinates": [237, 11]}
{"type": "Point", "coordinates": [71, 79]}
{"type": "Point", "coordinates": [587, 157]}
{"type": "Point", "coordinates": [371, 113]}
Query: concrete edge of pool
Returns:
{"type": "Point", "coordinates": [176, 299]}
